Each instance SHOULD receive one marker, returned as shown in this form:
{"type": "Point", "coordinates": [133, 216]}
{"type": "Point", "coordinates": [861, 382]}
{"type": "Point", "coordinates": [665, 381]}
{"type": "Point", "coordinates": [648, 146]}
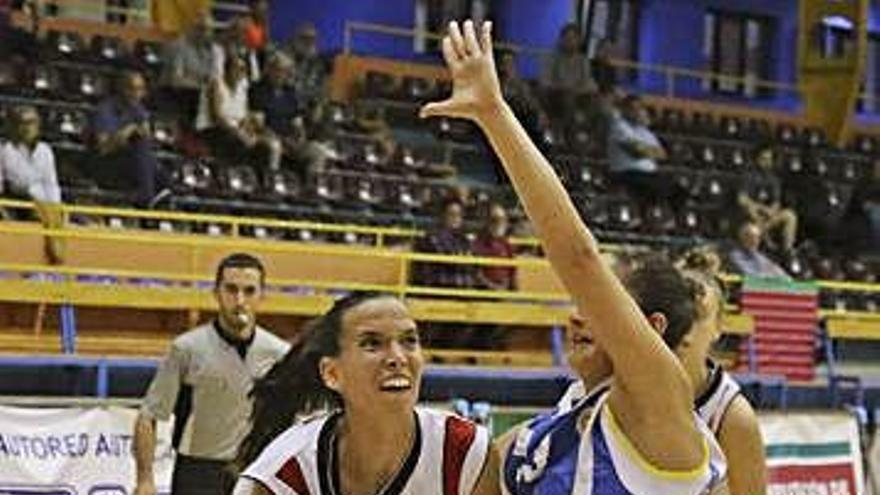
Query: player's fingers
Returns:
{"type": "Point", "coordinates": [457, 40]}
{"type": "Point", "coordinates": [449, 54]}
{"type": "Point", "coordinates": [486, 37]}
{"type": "Point", "coordinates": [470, 39]}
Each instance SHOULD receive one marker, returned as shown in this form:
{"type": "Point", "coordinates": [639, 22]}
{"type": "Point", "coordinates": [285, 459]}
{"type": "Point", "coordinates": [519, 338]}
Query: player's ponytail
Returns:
{"type": "Point", "coordinates": [293, 387]}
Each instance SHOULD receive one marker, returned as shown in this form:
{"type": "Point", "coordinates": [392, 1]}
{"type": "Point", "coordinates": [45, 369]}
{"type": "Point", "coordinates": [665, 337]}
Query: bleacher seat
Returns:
{"type": "Point", "coordinates": [45, 82]}
{"type": "Point", "coordinates": [108, 50]}
{"type": "Point", "coordinates": [731, 127]}
{"type": "Point", "coordinates": [64, 45]}
{"type": "Point", "coordinates": [416, 89]}
{"type": "Point", "coordinates": [147, 55]}
{"type": "Point", "coordinates": [284, 186]}
{"type": "Point", "coordinates": [193, 177]}
{"type": "Point", "coordinates": [380, 85]}
{"type": "Point", "coordinates": [240, 181]}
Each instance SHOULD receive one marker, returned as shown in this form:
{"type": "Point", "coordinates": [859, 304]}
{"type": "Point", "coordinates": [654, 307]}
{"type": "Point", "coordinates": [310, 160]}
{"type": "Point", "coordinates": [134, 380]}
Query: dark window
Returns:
{"type": "Point", "coordinates": [738, 45]}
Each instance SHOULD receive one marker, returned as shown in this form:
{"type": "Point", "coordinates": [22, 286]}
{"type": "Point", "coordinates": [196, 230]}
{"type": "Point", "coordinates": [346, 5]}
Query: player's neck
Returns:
{"type": "Point", "coordinates": [371, 452]}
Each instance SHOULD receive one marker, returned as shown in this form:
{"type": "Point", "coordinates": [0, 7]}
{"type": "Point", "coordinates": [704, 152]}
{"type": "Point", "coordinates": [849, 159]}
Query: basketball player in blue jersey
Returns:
{"type": "Point", "coordinates": [718, 400]}
{"type": "Point", "coordinates": [613, 441]}
{"type": "Point", "coordinates": [337, 415]}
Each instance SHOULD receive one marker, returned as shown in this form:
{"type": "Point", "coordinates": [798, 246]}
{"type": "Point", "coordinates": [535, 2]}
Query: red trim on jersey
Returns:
{"type": "Point", "coordinates": [292, 476]}
{"type": "Point", "coordinates": [457, 441]}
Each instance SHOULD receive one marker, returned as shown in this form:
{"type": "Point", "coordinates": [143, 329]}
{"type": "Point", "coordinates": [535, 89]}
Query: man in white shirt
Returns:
{"type": "Point", "coordinates": [27, 171]}
{"type": "Point", "coordinates": [27, 165]}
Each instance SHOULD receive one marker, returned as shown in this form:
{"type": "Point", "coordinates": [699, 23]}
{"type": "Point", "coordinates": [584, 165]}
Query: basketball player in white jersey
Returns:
{"type": "Point", "coordinates": [718, 400]}
{"type": "Point", "coordinates": [357, 372]}
{"type": "Point", "coordinates": [615, 442]}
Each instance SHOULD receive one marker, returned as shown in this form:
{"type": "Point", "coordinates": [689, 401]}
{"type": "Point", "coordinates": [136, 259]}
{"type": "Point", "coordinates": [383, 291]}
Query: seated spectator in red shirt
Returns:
{"type": "Point", "coordinates": [493, 242]}
{"type": "Point", "coordinates": [448, 238]}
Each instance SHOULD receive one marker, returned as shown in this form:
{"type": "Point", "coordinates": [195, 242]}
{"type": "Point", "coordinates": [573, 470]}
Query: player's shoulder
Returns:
{"type": "Point", "coordinates": [451, 430]}
{"type": "Point", "coordinates": [298, 440]}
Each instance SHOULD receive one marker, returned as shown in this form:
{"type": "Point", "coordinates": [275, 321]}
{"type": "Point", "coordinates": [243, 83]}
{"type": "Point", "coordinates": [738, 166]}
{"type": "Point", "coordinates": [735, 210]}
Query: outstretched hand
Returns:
{"type": "Point", "coordinates": [475, 87]}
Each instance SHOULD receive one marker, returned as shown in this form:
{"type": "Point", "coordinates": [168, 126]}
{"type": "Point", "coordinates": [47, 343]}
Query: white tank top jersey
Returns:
{"type": "Point", "coordinates": [712, 404]}
{"type": "Point", "coordinates": [447, 457]}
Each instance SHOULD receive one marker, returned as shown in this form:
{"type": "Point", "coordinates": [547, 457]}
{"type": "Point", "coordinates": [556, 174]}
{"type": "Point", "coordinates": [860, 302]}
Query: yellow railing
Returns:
{"type": "Point", "coordinates": [527, 306]}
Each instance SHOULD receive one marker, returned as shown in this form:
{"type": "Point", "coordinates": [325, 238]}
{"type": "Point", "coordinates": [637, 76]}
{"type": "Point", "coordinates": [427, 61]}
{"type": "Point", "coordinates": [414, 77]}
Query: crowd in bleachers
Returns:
{"type": "Point", "coordinates": [230, 120]}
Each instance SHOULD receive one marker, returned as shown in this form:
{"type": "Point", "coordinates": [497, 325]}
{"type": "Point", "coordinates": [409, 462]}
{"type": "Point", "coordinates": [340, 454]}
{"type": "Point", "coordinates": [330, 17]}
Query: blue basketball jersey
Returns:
{"type": "Point", "coordinates": [580, 450]}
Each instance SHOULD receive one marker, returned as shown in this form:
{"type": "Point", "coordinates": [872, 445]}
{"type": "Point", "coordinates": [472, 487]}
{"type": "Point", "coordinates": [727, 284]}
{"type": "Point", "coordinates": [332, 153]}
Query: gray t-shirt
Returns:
{"type": "Point", "coordinates": [211, 381]}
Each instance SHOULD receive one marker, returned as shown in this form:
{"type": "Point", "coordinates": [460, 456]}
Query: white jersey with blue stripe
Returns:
{"type": "Point", "coordinates": [580, 450]}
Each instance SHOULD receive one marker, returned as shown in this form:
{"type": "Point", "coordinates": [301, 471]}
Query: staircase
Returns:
{"type": "Point", "coordinates": [786, 316]}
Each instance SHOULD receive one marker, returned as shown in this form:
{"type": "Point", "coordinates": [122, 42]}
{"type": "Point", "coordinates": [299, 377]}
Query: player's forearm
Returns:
{"type": "Point", "coordinates": [144, 446]}
{"type": "Point", "coordinates": [574, 254]}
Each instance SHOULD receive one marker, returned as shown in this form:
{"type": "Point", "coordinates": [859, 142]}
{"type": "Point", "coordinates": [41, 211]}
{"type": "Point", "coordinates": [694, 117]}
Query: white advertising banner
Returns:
{"type": "Point", "coordinates": [812, 453]}
{"type": "Point", "coordinates": [74, 451]}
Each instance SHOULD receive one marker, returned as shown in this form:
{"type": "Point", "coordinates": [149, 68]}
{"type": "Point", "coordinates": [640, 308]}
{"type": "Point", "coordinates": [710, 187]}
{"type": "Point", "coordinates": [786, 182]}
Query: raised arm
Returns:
{"type": "Point", "coordinates": [648, 377]}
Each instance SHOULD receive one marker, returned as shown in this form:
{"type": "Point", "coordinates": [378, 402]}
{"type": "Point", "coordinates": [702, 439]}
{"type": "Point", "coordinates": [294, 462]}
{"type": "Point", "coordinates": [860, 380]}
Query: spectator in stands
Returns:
{"type": "Point", "coordinates": [860, 228]}
{"type": "Point", "coordinates": [188, 66]}
{"type": "Point", "coordinates": [19, 44]}
{"type": "Point", "coordinates": [493, 242]}
{"type": "Point", "coordinates": [225, 120]}
{"type": "Point", "coordinates": [519, 94]}
{"type": "Point", "coordinates": [27, 171]}
{"type": "Point", "coordinates": [601, 68]}
{"type": "Point", "coordinates": [448, 237]}
{"type": "Point", "coordinates": [747, 257]}
{"type": "Point", "coordinates": [126, 158]}
{"type": "Point", "coordinates": [568, 69]}
{"type": "Point", "coordinates": [566, 74]}
{"type": "Point", "coordinates": [232, 43]}
{"type": "Point", "coordinates": [276, 99]}
{"type": "Point", "coordinates": [311, 71]}
{"type": "Point", "coordinates": [205, 380]}
{"type": "Point", "coordinates": [27, 164]}
{"type": "Point", "coordinates": [760, 199]}
{"type": "Point", "coordinates": [256, 35]}
{"type": "Point", "coordinates": [633, 151]}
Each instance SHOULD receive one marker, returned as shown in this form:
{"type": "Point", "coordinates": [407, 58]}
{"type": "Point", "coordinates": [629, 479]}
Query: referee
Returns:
{"type": "Point", "coordinates": [205, 380]}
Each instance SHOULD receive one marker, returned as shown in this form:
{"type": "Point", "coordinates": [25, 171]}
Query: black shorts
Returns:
{"type": "Point", "coordinates": [194, 476]}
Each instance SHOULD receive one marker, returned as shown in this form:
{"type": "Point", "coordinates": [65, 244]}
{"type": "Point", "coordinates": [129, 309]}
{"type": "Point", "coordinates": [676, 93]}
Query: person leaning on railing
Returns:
{"type": "Point", "coordinates": [27, 171]}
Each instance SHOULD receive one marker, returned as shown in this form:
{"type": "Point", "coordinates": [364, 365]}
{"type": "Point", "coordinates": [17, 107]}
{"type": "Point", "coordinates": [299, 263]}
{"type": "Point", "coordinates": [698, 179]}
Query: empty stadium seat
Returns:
{"type": "Point", "coordinates": [328, 188]}
{"type": "Point", "coordinates": [702, 123]}
{"type": "Point", "coordinates": [787, 134]}
{"type": "Point", "coordinates": [193, 177]}
{"type": "Point", "coordinates": [87, 85]}
{"type": "Point", "coordinates": [70, 125]}
{"type": "Point", "coordinates": [416, 89]}
{"type": "Point", "coordinates": [731, 127]}
{"type": "Point", "coordinates": [64, 44]}
{"type": "Point", "coordinates": [283, 185]}
{"type": "Point", "coordinates": [147, 55]}
{"type": "Point", "coordinates": [866, 144]}
{"type": "Point", "coordinates": [108, 50]}
{"type": "Point", "coordinates": [45, 82]}
{"type": "Point", "coordinates": [659, 219]}
{"type": "Point", "coordinates": [380, 85]}
{"type": "Point", "coordinates": [814, 137]}
{"type": "Point", "coordinates": [239, 181]}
